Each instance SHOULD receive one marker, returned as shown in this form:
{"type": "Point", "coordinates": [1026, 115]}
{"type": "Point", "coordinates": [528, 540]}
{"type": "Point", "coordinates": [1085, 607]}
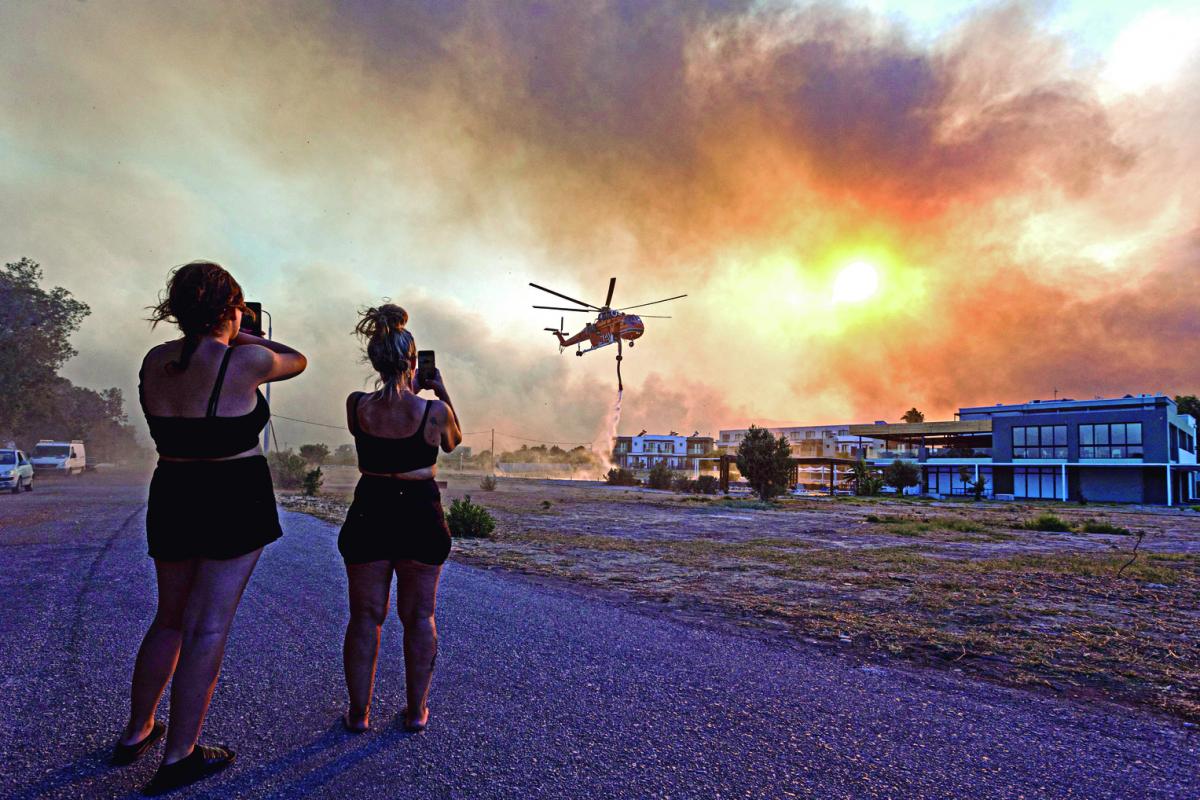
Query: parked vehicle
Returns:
{"type": "Point", "coordinates": [16, 473]}
{"type": "Point", "coordinates": [59, 458]}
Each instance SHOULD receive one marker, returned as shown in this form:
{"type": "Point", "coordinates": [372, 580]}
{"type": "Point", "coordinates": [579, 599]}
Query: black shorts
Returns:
{"type": "Point", "coordinates": [394, 520]}
{"type": "Point", "coordinates": [211, 509]}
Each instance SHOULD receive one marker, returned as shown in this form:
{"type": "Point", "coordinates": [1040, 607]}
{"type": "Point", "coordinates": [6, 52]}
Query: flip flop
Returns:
{"type": "Point", "coordinates": [199, 764]}
{"type": "Point", "coordinates": [125, 754]}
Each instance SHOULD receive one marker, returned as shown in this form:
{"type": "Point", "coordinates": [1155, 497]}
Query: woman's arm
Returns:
{"type": "Point", "coordinates": [274, 361]}
{"type": "Point", "coordinates": [451, 432]}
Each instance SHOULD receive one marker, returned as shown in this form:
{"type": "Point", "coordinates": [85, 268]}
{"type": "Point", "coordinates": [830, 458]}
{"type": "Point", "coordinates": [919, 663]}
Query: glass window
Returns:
{"type": "Point", "coordinates": [1018, 437]}
{"type": "Point", "coordinates": [1117, 434]}
{"type": "Point", "coordinates": [1133, 433]}
{"type": "Point", "coordinates": [7, 457]}
{"type": "Point", "coordinates": [1019, 483]}
{"type": "Point", "coordinates": [1085, 436]}
{"type": "Point", "coordinates": [1101, 434]}
{"type": "Point", "coordinates": [1087, 452]}
{"type": "Point", "coordinates": [1060, 435]}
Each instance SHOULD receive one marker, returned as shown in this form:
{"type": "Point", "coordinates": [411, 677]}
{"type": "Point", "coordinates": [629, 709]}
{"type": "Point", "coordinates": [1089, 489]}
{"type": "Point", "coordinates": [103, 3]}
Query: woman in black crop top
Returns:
{"type": "Point", "coordinates": [395, 524]}
{"type": "Point", "coordinates": [210, 512]}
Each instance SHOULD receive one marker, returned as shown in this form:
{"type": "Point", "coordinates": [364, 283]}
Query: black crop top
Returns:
{"type": "Point", "coordinates": [209, 436]}
{"type": "Point", "coordinates": [387, 454]}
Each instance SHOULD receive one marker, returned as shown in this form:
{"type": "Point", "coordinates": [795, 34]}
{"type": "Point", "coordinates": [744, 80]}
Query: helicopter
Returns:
{"type": "Point", "coordinates": [612, 325]}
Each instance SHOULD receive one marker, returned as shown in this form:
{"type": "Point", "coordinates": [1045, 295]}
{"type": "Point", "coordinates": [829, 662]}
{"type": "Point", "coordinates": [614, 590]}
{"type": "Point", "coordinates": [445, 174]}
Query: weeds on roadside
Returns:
{"type": "Point", "coordinates": [469, 520]}
{"type": "Point", "coordinates": [488, 483]}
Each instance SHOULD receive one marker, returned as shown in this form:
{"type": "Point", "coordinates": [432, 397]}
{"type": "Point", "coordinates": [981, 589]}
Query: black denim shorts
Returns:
{"type": "Point", "coordinates": [211, 509]}
{"type": "Point", "coordinates": [395, 520]}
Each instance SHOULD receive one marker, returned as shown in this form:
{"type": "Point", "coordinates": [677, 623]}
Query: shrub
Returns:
{"type": "Point", "coordinates": [313, 481]}
{"type": "Point", "coordinates": [620, 477]}
{"type": "Point", "coordinates": [287, 469]}
{"type": "Point", "coordinates": [469, 520]}
{"type": "Point", "coordinates": [682, 483]}
{"type": "Point", "coordinates": [1046, 522]}
{"type": "Point", "coordinates": [708, 484]}
{"type": "Point", "coordinates": [546, 505]}
{"type": "Point", "coordinates": [660, 476]}
{"type": "Point", "coordinates": [1093, 526]}
{"type": "Point", "coordinates": [488, 483]}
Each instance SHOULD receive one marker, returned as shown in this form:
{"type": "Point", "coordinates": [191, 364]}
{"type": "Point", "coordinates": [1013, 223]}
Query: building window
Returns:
{"type": "Point", "coordinates": [949, 480]}
{"type": "Point", "coordinates": [1111, 440]}
{"type": "Point", "coordinates": [1040, 441]}
{"type": "Point", "coordinates": [1037, 482]}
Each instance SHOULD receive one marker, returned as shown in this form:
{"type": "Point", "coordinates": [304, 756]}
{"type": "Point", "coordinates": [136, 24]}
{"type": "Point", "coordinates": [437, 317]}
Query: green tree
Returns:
{"type": "Point", "coordinates": [902, 474]}
{"type": "Point", "coordinates": [660, 476]}
{"type": "Point", "coordinates": [867, 481]}
{"type": "Point", "coordinates": [1188, 404]}
{"type": "Point", "coordinates": [766, 462]}
{"type": "Point", "coordinates": [314, 453]}
{"type": "Point", "coordinates": [313, 481]}
{"type": "Point", "coordinates": [912, 415]}
{"type": "Point", "coordinates": [35, 340]}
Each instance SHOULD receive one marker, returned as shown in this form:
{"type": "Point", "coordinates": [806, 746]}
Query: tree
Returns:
{"type": "Point", "coordinates": [345, 455]}
{"type": "Point", "coordinates": [1188, 404]}
{"type": "Point", "coordinates": [867, 481]}
{"type": "Point", "coordinates": [314, 453]}
{"type": "Point", "coordinates": [660, 476]}
{"type": "Point", "coordinates": [765, 461]}
{"type": "Point", "coordinates": [912, 415]}
{"type": "Point", "coordinates": [902, 474]}
{"type": "Point", "coordinates": [35, 339]}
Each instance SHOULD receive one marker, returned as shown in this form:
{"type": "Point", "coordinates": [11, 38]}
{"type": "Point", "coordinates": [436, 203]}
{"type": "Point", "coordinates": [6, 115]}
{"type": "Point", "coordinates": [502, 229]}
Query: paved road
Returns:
{"type": "Point", "coordinates": [541, 692]}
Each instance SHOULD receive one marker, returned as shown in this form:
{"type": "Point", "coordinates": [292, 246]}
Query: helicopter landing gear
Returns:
{"type": "Point", "coordinates": [579, 352]}
{"type": "Point", "coordinates": [631, 344]}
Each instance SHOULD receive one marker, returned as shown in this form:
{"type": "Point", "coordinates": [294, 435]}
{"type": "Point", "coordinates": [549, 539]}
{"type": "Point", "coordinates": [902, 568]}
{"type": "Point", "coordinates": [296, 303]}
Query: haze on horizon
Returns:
{"type": "Point", "coordinates": [871, 206]}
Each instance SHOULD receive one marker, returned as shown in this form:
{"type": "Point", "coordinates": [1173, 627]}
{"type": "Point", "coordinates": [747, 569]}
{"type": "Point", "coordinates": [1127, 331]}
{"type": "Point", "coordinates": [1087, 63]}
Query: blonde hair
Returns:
{"type": "Point", "coordinates": [389, 346]}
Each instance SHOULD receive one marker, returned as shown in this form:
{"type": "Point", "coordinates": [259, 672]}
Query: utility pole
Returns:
{"type": "Point", "coordinates": [492, 457]}
{"type": "Point", "coordinates": [267, 430]}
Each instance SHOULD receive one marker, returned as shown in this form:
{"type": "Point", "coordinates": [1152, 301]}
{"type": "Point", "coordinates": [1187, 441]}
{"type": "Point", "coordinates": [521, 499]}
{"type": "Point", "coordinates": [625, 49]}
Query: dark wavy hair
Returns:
{"type": "Point", "coordinates": [200, 297]}
{"type": "Point", "coordinates": [388, 344]}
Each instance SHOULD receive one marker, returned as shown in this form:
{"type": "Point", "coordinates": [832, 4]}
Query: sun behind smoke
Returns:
{"type": "Point", "coordinates": [856, 282]}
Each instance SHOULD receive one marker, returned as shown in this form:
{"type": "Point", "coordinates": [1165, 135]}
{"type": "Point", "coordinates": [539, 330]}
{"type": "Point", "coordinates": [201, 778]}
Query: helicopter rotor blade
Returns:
{"type": "Point", "coordinates": [652, 316]}
{"type": "Point", "coordinates": [612, 284]}
{"type": "Point", "coordinates": [563, 296]}
{"type": "Point", "coordinates": [652, 302]}
{"type": "Point", "coordinates": [560, 308]}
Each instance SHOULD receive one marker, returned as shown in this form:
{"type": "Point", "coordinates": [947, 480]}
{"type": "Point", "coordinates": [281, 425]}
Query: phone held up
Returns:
{"type": "Point", "coordinates": [426, 368]}
{"type": "Point", "coordinates": [252, 322]}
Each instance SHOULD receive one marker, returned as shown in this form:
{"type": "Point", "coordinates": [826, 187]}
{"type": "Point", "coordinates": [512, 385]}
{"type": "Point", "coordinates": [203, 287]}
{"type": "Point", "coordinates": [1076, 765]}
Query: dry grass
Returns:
{"type": "Point", "coordinates": [957, 584]}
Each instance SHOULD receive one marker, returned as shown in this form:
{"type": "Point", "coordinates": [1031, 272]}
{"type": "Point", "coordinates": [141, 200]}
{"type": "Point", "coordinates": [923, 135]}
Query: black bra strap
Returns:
{"type": "Point", "coordinates": [216, 392]}
{"type": "Point", "coordinates": [354, 429]}
{"type": "Point", "coordinates": [424, 417]}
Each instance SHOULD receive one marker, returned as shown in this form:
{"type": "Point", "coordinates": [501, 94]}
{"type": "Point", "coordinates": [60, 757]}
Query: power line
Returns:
{"type": "Point", "coordinates": [309, 422]}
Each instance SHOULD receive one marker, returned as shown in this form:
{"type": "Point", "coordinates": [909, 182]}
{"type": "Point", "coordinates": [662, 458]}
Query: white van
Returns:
{"type": "Point", "coordinates": [59, 458]}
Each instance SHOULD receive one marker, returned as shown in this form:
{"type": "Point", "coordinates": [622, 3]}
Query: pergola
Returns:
{"type": "Point", "coordinates": [831, 462]}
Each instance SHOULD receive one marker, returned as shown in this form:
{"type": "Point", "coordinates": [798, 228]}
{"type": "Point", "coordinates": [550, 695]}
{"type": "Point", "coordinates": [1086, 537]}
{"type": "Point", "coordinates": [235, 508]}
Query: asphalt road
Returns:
{"type": "Point", "coordinates": [541, 691]}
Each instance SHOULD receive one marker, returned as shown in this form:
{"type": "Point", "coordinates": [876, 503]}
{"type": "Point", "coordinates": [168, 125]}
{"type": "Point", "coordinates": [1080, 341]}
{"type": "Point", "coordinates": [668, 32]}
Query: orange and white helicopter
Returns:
{"type": "Point", "coordinates": [612, 325]}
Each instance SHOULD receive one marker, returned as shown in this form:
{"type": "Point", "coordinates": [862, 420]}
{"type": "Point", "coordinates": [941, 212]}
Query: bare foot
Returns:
{"type": "Point", "coordinates": [355, 723]}
{"type": "Point", "coordinates": [416, 724]}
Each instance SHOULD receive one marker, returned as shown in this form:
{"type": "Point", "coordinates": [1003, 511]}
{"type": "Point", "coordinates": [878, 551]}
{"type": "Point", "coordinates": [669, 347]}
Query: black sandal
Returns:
{"type": "Point", "coordinates": [350, 728]}
{"type": "Point", "coordinates": [125, 754]}
{"type": "Point", "coordinates": [198, 765]}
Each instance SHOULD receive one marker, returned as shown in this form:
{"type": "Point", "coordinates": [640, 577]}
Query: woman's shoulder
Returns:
{"type": "Point", "coordinates": [161, 353]}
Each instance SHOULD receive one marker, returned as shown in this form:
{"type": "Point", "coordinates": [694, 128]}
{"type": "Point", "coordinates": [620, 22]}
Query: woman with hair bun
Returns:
{"type": "Point", "coordinates": [395, 524]}
{"type": "Point", "coordinates": [210, 512]}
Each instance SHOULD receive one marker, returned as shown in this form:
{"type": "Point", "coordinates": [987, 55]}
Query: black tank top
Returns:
{"type": "Point", "coordinates": [387, 455]}
{"type": "Point", "coordinates": [209, 436]}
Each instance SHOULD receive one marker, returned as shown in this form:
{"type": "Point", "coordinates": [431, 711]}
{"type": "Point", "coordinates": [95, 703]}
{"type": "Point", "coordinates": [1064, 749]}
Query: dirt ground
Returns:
{"type": "Point", "coordinates": [954, 584]}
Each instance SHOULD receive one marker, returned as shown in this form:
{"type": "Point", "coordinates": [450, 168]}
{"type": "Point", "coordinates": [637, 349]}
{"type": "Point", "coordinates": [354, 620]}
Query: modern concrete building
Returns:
{"type": "Point", "coordinates": [817, 441]}
{"type": "Point", "coordinates": [679, 453]}
{"type": "Point", "coordinates": [1131, 449]}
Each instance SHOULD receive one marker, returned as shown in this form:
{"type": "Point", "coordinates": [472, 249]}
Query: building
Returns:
{"type": "Point", "coordinates": [821, 441]}
{"type": "Point", "coordinates": [1131, 449]}
{"type": "Point", "coordinates": [680, 453]}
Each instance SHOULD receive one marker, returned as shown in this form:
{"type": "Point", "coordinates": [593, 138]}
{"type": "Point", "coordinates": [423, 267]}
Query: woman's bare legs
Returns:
{"type": "Point", "coordinates": [215, 593]}
{"type": "Point", "coordinates": [159, 652]}
{"type": "Point", "coordinates": [370, 587]}
{"type": "Point", "coordinates": [416, 597]}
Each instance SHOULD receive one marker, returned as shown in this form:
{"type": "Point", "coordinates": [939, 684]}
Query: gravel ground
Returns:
{"type": "Point", "coordinates": [542, 690]}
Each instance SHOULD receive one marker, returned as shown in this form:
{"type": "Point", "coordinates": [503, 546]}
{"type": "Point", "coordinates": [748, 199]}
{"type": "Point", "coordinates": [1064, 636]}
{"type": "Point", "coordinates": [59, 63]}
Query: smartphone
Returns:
{"type": "Point", "coordinates": [425, 368]}
{"type": "Point", "coordinates": [251, 321]}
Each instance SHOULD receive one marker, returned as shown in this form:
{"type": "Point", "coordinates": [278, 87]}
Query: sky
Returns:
{"type": "Point", "coordinates": [871, 205]}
